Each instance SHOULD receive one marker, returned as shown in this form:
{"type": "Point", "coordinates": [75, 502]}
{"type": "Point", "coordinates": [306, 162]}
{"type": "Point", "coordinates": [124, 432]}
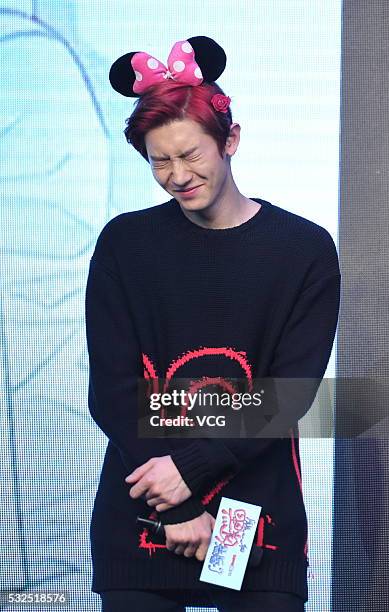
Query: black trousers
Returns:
{"type": "Point", "coordinates": [225, 600]}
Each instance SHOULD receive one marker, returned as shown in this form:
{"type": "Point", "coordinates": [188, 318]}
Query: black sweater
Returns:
{"type": "Point", "coordinates": [168, 298]}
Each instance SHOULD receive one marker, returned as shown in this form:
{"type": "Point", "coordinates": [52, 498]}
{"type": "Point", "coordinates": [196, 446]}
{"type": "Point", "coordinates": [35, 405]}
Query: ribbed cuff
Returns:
{"type": "Point", "coordinates": [188, 510]}
{"type": "Point", "coordinates": [172, 571]}
{"type": "Point", "coordinates": [192, 465]}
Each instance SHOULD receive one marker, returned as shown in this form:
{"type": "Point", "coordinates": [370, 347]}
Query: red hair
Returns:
{"type": "Point", "coordinates": [170, 101]}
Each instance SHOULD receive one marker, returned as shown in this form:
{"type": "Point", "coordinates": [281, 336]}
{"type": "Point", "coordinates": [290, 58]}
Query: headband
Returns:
{"type": "Point", "coordinates": [191, 62]}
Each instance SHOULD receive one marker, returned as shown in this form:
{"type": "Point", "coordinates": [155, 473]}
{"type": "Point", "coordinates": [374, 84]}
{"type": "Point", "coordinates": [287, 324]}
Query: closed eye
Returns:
{"type": "Point", "coordinates": [159, 164]}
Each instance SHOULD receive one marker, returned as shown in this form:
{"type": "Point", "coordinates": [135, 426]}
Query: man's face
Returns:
{"type": "Point", "coordinates": [186, 162]}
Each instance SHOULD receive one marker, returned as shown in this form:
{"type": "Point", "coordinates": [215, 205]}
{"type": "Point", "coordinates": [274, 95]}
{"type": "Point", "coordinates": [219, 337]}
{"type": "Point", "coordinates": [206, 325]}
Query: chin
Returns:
{"type": "Point", "coordinates": [193, 205]}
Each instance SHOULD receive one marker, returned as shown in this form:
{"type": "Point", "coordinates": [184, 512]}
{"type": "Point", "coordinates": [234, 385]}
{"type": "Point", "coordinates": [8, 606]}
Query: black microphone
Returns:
{"type": "Point", "coordinates": [157, 528]}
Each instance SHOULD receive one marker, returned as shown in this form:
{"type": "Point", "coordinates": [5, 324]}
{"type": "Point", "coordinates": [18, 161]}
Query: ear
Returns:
{"type": "Point", "coordinates": [233, 139]}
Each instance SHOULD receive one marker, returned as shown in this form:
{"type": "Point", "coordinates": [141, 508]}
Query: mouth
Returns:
{"type": "Point", "coordinates": [188, 193]}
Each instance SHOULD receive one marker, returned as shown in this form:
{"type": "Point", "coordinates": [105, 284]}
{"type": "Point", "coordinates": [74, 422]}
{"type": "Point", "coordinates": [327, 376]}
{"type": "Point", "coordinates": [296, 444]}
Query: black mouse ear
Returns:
{"type": "Point", "coordinates": [122, 75]}
{"type": "Point", "coordinates": [209, 56]}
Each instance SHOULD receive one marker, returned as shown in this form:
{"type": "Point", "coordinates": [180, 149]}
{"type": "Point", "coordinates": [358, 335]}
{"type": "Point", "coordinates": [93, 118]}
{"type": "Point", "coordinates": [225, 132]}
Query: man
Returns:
{"type": "Point", "coordinates": [209, 284]}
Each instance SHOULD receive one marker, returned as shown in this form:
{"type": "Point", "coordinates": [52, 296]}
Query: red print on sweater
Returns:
{"type": "Point", "coordinates": [239, 357]}
{"type": "Point", "coordinates": [150, 374]}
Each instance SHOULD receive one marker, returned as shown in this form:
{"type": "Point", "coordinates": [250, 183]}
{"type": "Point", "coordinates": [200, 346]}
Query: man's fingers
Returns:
{"type": "Point", "coordinates": [202, 550]}
{"type": "Point", "coordinates": [138, 489]}
{"type": "Point", "coordinates": [192, 538]}
{"type": "Point", "coordinates": [154, 501]}
{"type": "Point", "coordinates": [163, 507]}
{"type": "Point", "coordinates": [138, 472]}
{"type": "Point", "coordinates": [170, 545]}
{"type": "Point", "coordinates": [190, 550]}
{"type": "Point", "coordinates": [175, 547]}
{"type": "Point", "coordinates": [200, 553]}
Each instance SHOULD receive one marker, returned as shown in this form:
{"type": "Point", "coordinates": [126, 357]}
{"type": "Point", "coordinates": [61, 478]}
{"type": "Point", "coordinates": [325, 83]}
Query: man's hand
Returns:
{"type": "Point", "coordinates": [192, 537]}
{"type": "Point", "coordinates": [160, 483]}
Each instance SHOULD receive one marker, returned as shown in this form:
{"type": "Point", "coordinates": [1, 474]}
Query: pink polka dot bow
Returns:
{"type": "Point", "coordinates": [181, 67]}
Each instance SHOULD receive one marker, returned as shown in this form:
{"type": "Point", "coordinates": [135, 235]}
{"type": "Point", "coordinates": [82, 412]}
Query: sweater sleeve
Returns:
{"type": "Point", "coordinates": [115, 366]}
{"type": "Point", "coordinates": [303, 351]}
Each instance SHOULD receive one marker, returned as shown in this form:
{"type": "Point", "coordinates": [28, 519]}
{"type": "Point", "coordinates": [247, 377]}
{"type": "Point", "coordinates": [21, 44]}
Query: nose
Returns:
{"type": "Point", "coordinates": [181, 175]}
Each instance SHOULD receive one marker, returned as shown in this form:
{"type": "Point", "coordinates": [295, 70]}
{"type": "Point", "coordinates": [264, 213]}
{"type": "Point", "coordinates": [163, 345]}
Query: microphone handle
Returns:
{"type": "Point", "coordinates": [255, 556]}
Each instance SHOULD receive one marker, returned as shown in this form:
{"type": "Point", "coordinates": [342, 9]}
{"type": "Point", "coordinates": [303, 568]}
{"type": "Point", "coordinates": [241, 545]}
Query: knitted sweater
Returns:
{"type": "Point", "coordinates": [168, 298]}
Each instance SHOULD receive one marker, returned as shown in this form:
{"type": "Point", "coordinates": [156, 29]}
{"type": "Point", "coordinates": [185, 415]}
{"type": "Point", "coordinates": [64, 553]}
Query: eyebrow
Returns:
{"type": "Point", "coordinates": [185, 154]}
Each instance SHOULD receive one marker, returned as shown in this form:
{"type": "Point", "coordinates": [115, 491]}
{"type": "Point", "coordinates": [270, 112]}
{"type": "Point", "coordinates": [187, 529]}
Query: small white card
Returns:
{"type": "Point", "coordinates": [230, 545]}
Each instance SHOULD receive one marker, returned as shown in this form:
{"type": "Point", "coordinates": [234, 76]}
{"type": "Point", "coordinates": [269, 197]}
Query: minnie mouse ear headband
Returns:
{"type": "Point", "coordinates": [191, 62]}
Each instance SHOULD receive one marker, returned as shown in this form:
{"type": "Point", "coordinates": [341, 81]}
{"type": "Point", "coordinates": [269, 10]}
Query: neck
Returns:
{"type": "Point", "coordinates": [230, 209]}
